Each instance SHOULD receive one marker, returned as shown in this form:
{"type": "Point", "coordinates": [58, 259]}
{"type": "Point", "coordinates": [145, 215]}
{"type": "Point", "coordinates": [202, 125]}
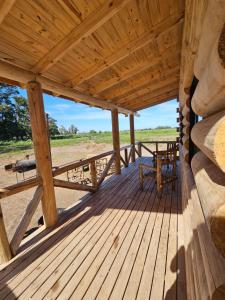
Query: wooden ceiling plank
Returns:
{"type": "Point", "coordinates": [157, 102]}
{"type": "Point", "coordinates": [154, 101]}
{"type": "Point", "coordinates": [5, 8]}
{"type": "Point", "coordinates": [16, 74]}
{"type": "Point", "coordinates": [162, 75]}
{"type": "Point", "coordinates": [167, 89]}
{"type": "Point", "coordinates": [131, 73]}
{"type": "Point", "coordinates": [173, 84]}
{"type": "Point", "coordinates": [87, 27]}
{"type": "Point", "coordinates": [126, 50]}
{"type": "Point", "coordinates": [148, 88]}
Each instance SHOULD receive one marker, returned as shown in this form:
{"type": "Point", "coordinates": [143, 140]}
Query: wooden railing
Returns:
{"type": "Point", "coordinates": [165, 145]}
{"type": "Point", "coordinates": [126, 154]}
{"type": "Point", "coordinates": [97, 175]}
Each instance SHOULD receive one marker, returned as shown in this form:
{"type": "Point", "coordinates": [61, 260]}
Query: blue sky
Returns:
{"type": "Point", "coordinates": [86, 118]}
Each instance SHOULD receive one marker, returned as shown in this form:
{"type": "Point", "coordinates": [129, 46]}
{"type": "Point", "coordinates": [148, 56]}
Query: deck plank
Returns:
{"type": "Point", "coordinates": [121, 243]}
{"type": "Point", "coordinates": [65, 254]}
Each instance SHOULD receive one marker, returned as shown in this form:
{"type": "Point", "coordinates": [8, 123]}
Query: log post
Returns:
{"type": "Point", "coordinates": [5, 252]}
{"type": "Point", "coordinates": [132, 137]}
{"type": "Point", "coordinates": [93, 174]}
{"type": "Point", "coordinates": [116, 139]}
{"type": "Point", "coordinates": [42, 151]}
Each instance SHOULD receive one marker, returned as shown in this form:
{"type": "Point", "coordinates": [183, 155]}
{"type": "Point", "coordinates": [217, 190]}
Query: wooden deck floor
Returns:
{"type": "Point", "coordinates": [121, 243]}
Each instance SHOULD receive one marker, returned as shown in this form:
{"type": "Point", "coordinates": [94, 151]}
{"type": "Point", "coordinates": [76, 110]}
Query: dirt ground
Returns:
{"type": "Point", "coordinates": [13, 207]}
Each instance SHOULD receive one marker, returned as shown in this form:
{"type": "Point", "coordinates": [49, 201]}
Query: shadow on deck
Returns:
{"type": "Point", "coordinates": [119, 243]}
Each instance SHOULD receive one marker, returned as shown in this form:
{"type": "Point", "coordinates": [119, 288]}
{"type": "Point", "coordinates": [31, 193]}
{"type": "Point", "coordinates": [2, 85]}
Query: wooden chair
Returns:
{"type": "Point", "coordinates": [158, 171]}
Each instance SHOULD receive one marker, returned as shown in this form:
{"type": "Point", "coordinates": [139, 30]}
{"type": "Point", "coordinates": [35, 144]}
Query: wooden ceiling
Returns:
{"type": "Point", "coordinates": [117, 53]}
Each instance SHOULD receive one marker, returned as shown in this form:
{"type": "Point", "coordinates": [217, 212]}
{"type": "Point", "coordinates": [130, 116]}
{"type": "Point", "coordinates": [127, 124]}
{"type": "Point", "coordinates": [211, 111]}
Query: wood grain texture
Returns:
{"type": "Point", "coordinates": [92, 52]}
{"type": "Point", "coordinates": [132, 137]}
{"type": "Point", "coordinates": [42, 151]}
{"type": "Point", "coordinates": [117, 243]}
{"type": "Point", "coordinates": [5, 251]}
{"type": "Point", "coordinates": [88, 26]}
{"type": "Point", "coordinates": [25, 220]}
{"type": "Point", "coordinates": [210, 92]}
{"type": "Point", "coordinates": [204, 264]}
{"type": "Point", "coordinates": [22, 76]}
{"type": "Point", "coordinates": [5, 7]}
{"type": "Point", "coordinates": [209, 136]}
{"type": "Point", "coordinates": [116, 139]}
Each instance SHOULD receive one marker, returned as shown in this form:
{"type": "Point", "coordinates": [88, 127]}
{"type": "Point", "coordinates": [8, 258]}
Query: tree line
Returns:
{"type": "Point", "coordinates": [14, 117]}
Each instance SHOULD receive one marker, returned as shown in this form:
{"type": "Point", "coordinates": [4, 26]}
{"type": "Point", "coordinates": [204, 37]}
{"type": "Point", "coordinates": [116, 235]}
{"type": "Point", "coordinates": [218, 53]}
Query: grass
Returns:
{"type": "Point", "coordinates": [104, 137]}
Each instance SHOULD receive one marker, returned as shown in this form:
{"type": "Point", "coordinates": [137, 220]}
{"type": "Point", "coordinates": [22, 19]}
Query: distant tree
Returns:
{"type": "Point", "coordinates": [14, 115]}
{"type": "Point", "coordinates": [63, 130]}
{"type": "Point", "coordinates": [23, 130]}
{"type": "Point", "coordinates": [73, 129]}
{"type": "Point", "coordinates": [53, 128]}
{"type": "Point", "coordinates": [163, 127]}
{"type": "Point", "coordinates": [92, 131]}
{"type": "Point", "coordinates": [7, 112]}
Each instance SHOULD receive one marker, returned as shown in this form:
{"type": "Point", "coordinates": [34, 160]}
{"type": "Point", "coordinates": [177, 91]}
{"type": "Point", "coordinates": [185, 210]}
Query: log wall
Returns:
{"type": "Point", "coordinates": [203, 179]}
{"type": "Point", "coordinates": [204, 265]}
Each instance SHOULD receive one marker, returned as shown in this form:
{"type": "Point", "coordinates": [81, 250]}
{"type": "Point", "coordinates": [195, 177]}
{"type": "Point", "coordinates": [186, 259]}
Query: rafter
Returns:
{"type": "Point", "coordinates": [127, 49]}
{"type": "Point", "coordinates": [5, 7]}
{"type": "Point", "coordinates": [153, 78]}
{"type": "Point", "coordinates": [95, 20]}
{"type": "Point", "coordinates": [101, 87]}
{"type": "Point", "coordinates": [21, 76]}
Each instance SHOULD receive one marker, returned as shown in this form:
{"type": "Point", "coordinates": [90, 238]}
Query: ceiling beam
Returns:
{"type": "Point", "coordinates": [153, 78]}
{"type": "Point", "coordinates": [5, 7]}
{"type": "Point", "coordinates": [95, 20]}
{"type": "Point", "coordinates": [126, 50]}
{"type": "Point", "coordinates": [101, 87]}
{"type": "Point", "coordinates": [16, 74]}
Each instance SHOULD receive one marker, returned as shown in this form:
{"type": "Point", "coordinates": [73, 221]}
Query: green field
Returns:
{"type": "Point", "coordinates": [103, 137]}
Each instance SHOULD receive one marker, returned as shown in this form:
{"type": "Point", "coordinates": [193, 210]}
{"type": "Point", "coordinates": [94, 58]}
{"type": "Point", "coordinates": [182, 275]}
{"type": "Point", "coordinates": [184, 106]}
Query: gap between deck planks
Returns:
{"type": "Point", "coordinates": [122, 244]}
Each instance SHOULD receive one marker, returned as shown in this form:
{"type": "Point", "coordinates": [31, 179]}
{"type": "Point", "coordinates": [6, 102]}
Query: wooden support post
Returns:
{"type": "Point", "coordinates": [126, 156]}
{"type": "Point", "coordinates": [116, 138]}
{"type": "Point", "coordinates": [93, 174]}
{"type": "Point", "coordinates": [42, 151]}
{"type": "Point", "coordinates": [132, 137]}
{"type": "Point", "coordinates": [140, 149]}
{"type": "Point", "coordinates": [5, 252]}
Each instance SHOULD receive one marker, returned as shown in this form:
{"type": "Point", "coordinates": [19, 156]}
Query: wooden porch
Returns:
{"type": "Point", "coordinates": [118, 243]}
